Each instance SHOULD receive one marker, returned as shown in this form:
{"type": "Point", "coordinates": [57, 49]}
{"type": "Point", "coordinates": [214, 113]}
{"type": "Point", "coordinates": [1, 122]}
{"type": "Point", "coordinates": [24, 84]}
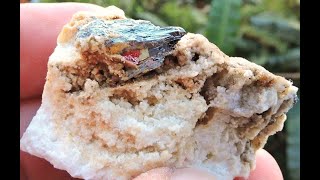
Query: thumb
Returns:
{"type": "Point", "coordinates": [166, 173]}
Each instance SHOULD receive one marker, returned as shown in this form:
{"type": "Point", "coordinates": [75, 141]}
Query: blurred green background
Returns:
{"type": "Point", "coordinates": [266, 32]}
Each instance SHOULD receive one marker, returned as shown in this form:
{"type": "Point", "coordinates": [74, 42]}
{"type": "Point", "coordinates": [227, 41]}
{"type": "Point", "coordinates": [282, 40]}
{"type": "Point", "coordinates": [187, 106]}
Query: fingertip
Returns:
{"type": "Point", "coordinates": [28, 109]}
{"type": "Point", "coordinates": [156, 174]}
{"type": "Point", "coordinates": [266, 167]}
{"type": "Point", "coordinates": [192, 173]}
{"type": "Point", "coordinates": [176, 174]}
{"type": "Point", "coordinates": [40, 24]}
{"type": "Point", "coordinates": [63, 5]}
{"type": "Point", "coordinates": [38, 168]}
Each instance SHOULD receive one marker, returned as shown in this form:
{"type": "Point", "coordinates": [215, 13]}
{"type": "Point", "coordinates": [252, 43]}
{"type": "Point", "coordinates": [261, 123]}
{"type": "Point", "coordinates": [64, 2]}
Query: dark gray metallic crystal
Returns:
{"type": "Point", "coordinates": [138, 35]}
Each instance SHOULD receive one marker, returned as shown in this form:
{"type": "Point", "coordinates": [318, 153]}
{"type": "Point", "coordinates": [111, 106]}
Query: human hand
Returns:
{"type": "Point", "coordinates": [40, 25]}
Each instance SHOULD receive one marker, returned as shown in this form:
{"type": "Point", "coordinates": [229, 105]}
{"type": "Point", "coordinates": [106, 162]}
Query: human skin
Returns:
{"type": "Point", "coordinates": [40, 25]}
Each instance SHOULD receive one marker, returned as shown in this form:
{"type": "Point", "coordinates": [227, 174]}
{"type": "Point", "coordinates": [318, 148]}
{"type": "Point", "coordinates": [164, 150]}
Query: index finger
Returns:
{"type": "Point", "coordinates": [267, 167]}
{"type": "Point", "coordinates": [40, 24]}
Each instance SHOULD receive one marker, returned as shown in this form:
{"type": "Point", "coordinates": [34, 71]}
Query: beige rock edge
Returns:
{"type": "Point", "coordinates": [213, 113]}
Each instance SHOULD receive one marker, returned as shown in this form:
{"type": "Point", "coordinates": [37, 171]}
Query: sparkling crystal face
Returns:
{"type": "Point", "coordinates": [142, 44]}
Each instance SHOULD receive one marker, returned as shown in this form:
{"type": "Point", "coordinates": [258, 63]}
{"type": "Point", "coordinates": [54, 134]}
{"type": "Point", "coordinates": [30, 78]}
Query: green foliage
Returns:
{"type": "Point", "coordinates": [288, 62]}
{"type": "Point", "coordinates": [271, 28]}
{"type": "Point", "coordinates": [293, 142]}
{"type": "Point", "coordinates": [182, 15]}
{"type": "Point", "coordinates": [223, 24]}
{"type": "Point", "coordinates": [283, 29]}
{"type": "Point", "coordinates": [151, 17]}
{"type": "Point", "coordinates": [248, 10]}
{"type": "Point", "coordinates": [264, 38]}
